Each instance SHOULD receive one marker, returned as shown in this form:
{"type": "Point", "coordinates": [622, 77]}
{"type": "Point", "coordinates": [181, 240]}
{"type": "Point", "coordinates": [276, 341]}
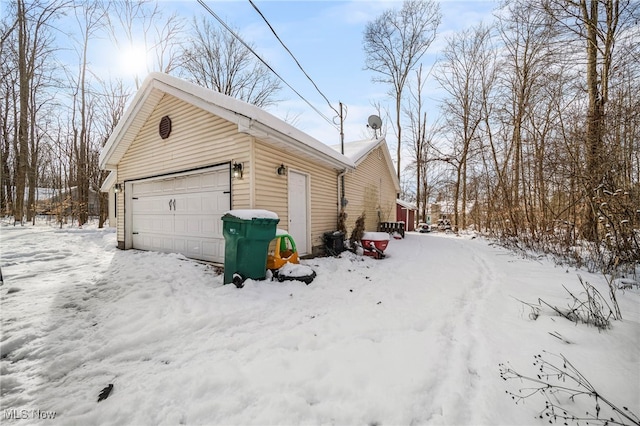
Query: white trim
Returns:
{"type": "Point", "coordinates": [109, 181]}
{"type": "Point", "coordinates": [307, 176]}
{"type": "Point", "coordinates": [128, 194]}
{"type": "Point", "coordinates": [249, 119]}
{"type": "Point", "coordinates": [128, 214]}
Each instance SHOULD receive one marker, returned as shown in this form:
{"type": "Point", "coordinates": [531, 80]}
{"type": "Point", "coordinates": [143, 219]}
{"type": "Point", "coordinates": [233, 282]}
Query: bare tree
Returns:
{"type": "Point", "coordinates": [217, 60]}
{"type": "Point", "coordinates": [8, 83]}
{"type": "Point", "coordinates": [420, 140]}
{"type": "Point", "coordinates": [395, 42]}
{"type": "Point", "coordinates": [142, 23]}
{"type": "Point", "coordinates": [526, 35]}
{"type": "Point", "coordinates": [33, 41]}
{"type": "Point", "coordinates": [90, 20]}
{"type": "Point", "coordinates": [109, 111]}
{"type": "Point", "coordinates": [466, 74]}
{"type": "Point", "coordinates": [599, 25]}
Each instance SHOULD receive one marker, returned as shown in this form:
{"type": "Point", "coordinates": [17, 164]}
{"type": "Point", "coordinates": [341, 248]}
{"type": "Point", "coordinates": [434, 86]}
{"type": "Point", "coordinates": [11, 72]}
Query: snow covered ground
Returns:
{"type": "Point", "coordinates": [416, 338]}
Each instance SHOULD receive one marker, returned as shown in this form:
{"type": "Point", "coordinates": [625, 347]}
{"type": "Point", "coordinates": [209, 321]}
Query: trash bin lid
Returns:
{"type": "Point", "coordinates": [249, 214]}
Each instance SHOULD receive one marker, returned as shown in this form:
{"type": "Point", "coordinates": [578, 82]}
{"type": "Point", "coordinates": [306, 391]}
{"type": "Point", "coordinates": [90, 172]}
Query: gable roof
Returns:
{"type": "Point", "coordinates": [250, 119]}
{"type": "Point", "coordinates": [109, 181]}
{"type": "Point", "coordinates": [357, 151]}
{"type": "Point", "coordinates": [406, 204]}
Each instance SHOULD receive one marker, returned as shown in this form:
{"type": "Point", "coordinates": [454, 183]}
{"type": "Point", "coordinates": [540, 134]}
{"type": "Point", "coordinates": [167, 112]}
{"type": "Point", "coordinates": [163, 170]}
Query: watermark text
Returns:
{"type": "Point", "coordinates": [23, 414]}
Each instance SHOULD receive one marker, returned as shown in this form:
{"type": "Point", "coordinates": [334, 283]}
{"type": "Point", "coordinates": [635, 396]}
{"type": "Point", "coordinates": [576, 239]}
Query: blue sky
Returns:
{"type": "Point", "coordinates": [326, 38]}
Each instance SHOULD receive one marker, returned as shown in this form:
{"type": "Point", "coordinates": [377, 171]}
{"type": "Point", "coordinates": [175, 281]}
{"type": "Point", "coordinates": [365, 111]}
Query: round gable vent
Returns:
{"type": "Point", "coordinates": [165, 127]}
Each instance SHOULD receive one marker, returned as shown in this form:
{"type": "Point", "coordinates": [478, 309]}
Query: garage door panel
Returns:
{"type": "Point", "coordinates": [194, 248]}
{"type": "Point", "coordinates": [180, 245]}
{"type": "Point", "coordinates": [210, 248]}
{"type": "Point", "coordinates": [209, 226]}
{"type": "Point", "coordinates": [182, 214]}
{"type": "Point", "coordinates": [153, 224]}
{"type": "Point", "coordinates": [153, 242]}
{"type": "Point", "coordinates": [222, 200]}
{"type": "Point", "coordinates": [188, 226]}
{"type": "Point", "coordinates": [194, 227]}
{"type": "Point", "coordinates": [196, 182]}
{"type": "Point", "coordinates": [194, 204]}
{"type": "Point", "coordinates": [167, 186]}
{"type": "Point", "coordinates": [180, 226]}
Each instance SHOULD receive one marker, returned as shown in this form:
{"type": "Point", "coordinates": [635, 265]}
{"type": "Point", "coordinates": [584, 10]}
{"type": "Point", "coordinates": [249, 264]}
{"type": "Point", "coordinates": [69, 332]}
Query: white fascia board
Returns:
{"type": "Point", "coordinates": [392, 169]}
{"type": "Point", "coordinates": [123, 126]}
{"type": "Point", "coordinates": [202, 103]}
{"type": "Point", "coordinates": [320, 152]}
{"type": "Point", "coordinates": [109, 181]}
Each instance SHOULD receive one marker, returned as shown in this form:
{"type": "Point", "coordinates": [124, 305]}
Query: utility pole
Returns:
{"type": "Point", "coordinates": [342, 196]}
{"type": "Point", "coordinates": [343, 199]}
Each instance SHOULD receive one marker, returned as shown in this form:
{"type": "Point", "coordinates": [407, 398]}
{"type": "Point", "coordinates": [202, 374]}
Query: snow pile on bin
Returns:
{"type": "Point", "coordinates": [248, 214]}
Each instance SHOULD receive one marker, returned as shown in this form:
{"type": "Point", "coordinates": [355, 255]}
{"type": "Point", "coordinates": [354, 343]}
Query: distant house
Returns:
{"type": "Point", "coordinates": [182, 155]}
{"type": "Point", "coordinates": [62, 201]}
{"type": "Point", "coordinates": [372, 187]}
{"type": "Point", "coordinates": [406, 212]}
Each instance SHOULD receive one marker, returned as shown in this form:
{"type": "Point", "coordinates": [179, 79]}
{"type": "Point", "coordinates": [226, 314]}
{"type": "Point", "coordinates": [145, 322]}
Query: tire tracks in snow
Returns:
{"type": "Point", "coordinates": [455, 396]}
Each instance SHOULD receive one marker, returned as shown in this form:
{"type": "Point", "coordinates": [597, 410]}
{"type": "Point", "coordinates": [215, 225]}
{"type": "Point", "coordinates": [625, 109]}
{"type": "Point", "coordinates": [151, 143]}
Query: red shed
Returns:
{"type": "Point", "coordinates": [406, 212]}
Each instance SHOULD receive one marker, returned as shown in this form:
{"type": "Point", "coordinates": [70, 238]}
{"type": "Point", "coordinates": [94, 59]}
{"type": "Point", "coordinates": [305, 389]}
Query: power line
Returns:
{"type": "Point", "coordinates": [208, 9]}
{"type": "Point", "coordinates": [292, 56]}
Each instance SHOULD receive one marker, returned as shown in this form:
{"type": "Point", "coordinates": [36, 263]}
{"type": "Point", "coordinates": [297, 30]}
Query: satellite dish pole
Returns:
{"type": "Point", "coordinates": [341, 130]}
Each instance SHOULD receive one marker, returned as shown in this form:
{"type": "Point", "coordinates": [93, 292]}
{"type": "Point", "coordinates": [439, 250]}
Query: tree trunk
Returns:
{"type": "Point", "coordinates": [23, 130]}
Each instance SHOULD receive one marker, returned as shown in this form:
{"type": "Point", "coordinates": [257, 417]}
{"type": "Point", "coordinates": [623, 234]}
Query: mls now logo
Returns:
{"type": "Point", "coordinates": [29, 414]}
{"type": "Point", "coordinates": [16, 414]}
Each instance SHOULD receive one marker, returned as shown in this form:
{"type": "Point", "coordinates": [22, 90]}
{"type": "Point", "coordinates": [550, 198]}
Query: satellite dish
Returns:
{"type": "Point", "coordinates": [374, 122]}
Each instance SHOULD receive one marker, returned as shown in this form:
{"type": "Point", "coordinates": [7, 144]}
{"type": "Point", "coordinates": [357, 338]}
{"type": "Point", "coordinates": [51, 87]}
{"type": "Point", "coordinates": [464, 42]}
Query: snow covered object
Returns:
{"type": "Point", "coordinates": [282, 250]}
{"type": "Point", "coordinates": [283, 260]}
{"type": "Point", "coordinates": [375, 243]}
{"type": "Point", "coordinates": [295, 272]}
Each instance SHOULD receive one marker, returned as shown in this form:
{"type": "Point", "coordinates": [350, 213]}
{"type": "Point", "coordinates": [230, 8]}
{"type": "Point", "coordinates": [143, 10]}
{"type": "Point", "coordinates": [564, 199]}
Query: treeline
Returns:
{"type": "Point", "coordinates": [538, 141]}
{"type": "Point", "coordinates": [58, 109]}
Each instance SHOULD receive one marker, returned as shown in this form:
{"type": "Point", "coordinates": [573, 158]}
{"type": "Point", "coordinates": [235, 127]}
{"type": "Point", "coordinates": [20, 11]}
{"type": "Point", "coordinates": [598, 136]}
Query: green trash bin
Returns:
{"type": "Point", "coordinates": [247, 234]}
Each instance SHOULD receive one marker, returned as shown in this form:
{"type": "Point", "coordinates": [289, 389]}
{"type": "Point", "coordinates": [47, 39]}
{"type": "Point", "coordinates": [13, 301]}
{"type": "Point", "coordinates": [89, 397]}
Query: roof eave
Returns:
{"type": "Point", "coordinates": [266, 133]}
{"type": "Point", "coordinates": [160, 84]}
{"type": "Point", "coordinates": [109, 157]}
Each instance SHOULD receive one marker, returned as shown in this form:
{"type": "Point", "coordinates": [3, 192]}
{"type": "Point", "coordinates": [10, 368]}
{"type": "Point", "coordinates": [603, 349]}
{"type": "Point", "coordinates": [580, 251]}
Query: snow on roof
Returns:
{"type": "Point", "coordinates": [249, 118]}
{"type": "Point", "coordinates": [358, 150]}
{"type": "Point", "coordinates": [406, 205]}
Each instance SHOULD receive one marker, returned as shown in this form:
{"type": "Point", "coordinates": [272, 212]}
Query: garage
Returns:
{"type": "Point", "coordinates": [170, 159]}
{"type": "Point", "coordinates": [181, 213]}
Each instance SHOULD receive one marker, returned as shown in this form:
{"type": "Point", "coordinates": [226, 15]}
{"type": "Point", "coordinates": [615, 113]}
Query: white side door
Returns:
{"type": "Point", "coordinates": [299, 210]}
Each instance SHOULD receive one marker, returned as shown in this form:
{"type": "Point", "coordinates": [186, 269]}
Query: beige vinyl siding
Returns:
{"type": "Point", "coordinates": [324, 203]}
{"type": "Point", "coordinates": [370, 189]}
{"type": "Point", "coordinates": [201, 139]}
{"type": "Point", "coordinates": [272, 190]}
{"type": "Point", "coordinates": [198, 139]}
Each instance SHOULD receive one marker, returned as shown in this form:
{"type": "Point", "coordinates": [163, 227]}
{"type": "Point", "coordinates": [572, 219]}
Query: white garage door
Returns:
{"type": "Point", "coordinates": [182, 213]}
